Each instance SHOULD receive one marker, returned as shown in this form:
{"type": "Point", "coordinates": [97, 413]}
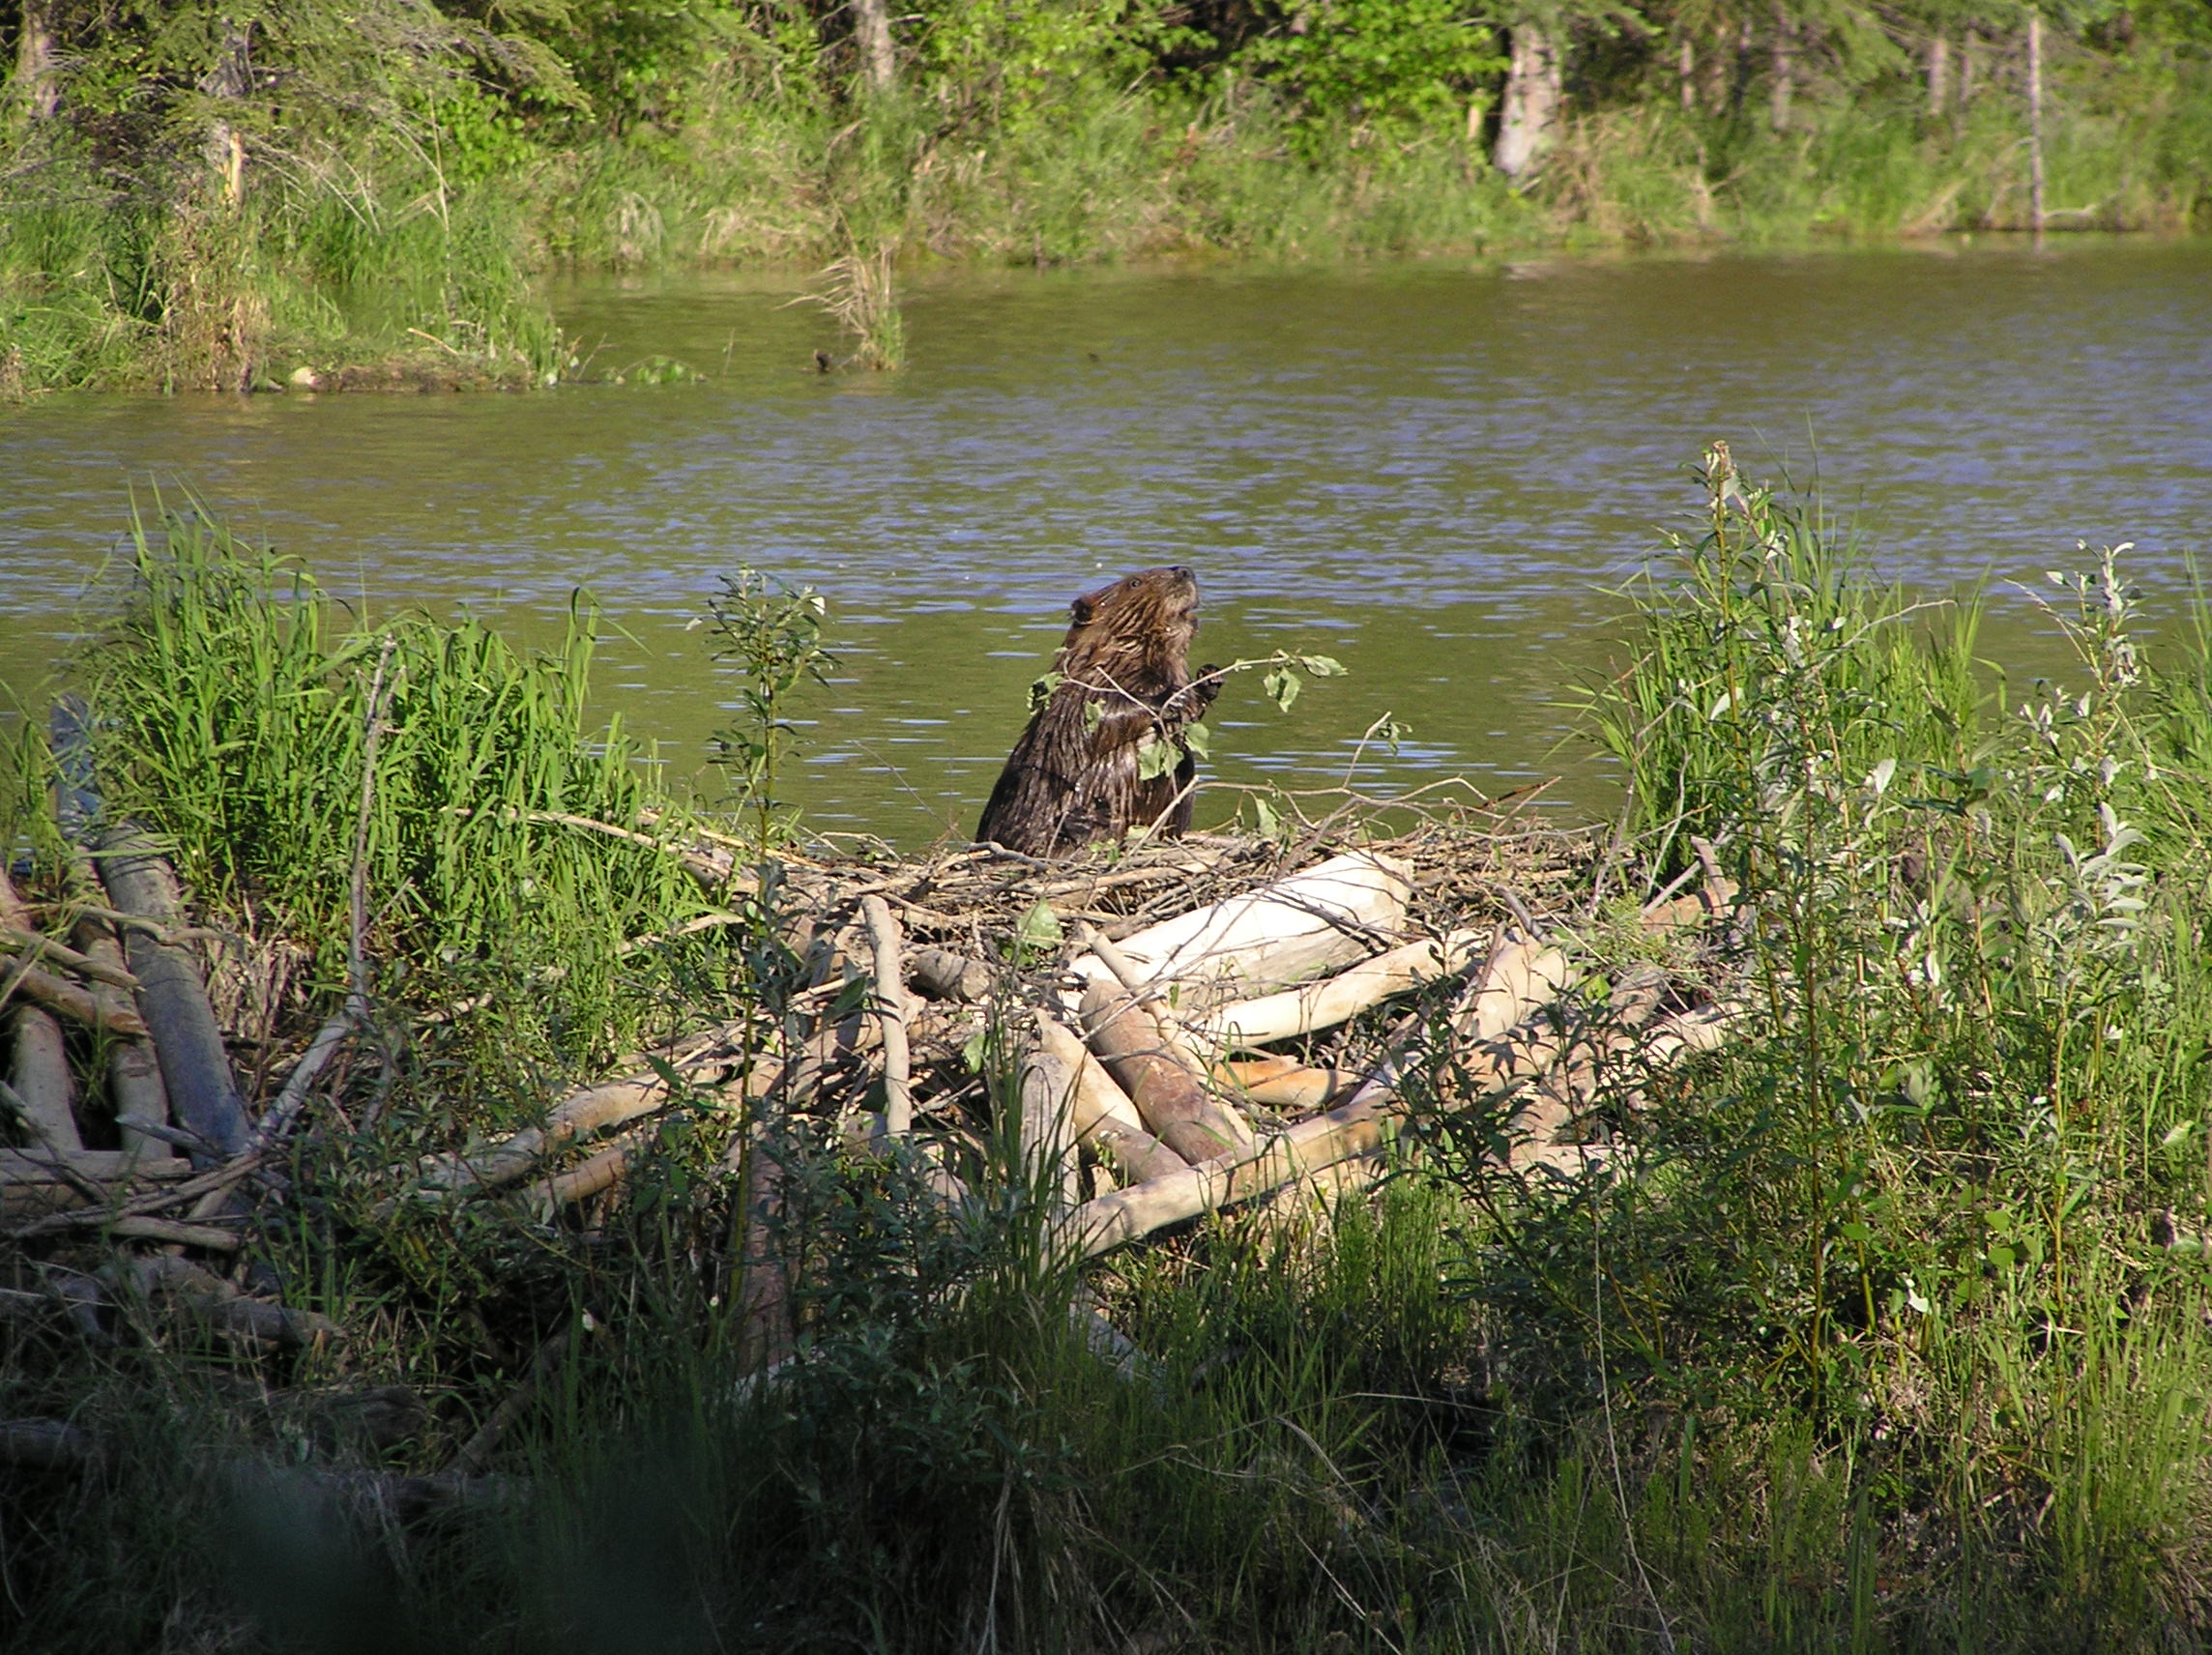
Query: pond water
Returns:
{"type": "Point", "coordinates": [1431, 471]}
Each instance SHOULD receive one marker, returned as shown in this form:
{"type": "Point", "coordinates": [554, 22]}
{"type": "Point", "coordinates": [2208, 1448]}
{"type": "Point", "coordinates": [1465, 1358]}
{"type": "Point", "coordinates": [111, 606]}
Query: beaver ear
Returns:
{"type": "Point", "coordinates": [1083, 609]}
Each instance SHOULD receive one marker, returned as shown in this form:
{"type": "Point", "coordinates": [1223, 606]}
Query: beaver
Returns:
{"type": "Point", "coordinates": [1121, 684]}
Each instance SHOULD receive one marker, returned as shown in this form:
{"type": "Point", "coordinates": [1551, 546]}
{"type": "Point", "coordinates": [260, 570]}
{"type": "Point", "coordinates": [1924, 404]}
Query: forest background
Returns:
{"type": "Point", "coordinates": [249, 193]}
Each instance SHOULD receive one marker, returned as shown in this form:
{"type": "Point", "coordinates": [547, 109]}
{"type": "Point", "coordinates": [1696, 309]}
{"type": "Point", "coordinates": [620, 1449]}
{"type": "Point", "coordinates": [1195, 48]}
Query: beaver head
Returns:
{"type": "Point", "coordinates": [1136, 633]}
{"type": "Point", "coordinates": [1122, 684]}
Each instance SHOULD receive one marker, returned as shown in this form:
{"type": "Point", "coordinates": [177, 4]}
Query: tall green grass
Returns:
{"type": "Point", "coordinates": [418, 262]}
{"type": "Point", "coordinates": [1887, 1330]}
{"type": "Point", "coordinates": [232, 711]}
{"type": "Point", "coordinates": [391, 280]}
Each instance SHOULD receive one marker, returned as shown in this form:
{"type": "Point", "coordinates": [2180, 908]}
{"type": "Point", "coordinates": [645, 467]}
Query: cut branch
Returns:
{"type": "Point", "coordinates": [892, 1015]}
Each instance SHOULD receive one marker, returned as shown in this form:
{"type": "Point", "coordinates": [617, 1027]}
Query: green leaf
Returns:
{"type": "Point", "coordinates": [1282, 687]}
{"type": "Point", "coordinates": [1156, 757]}
{"type": "Point", "coordinates": [1199, 740]}
{"type": "Point", "coordinates": [1040, 690]}
{"type": "Point", "coordinates": [1040, 928]}
{"type": "Point", "coordinates": [1322, 666]}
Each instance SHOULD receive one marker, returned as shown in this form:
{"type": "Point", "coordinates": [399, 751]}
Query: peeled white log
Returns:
{"type": "Point", "coordinates": [582, 1112]}
{"type": "Point", "coordinates": [590, 1178]}
{"type": "Point", "coordinates": [39, 1079]}
{"type": "Point", "coordinates": [942, 974]}
{"type": "Point", "coordinates": [1097, 1095]}
{"type": "Point", "coordinates": [1271, 938]}
{"type": "Point", "coordinates": [1125, 1215]}
{"type": "Point", "coordinates": [39, 1069]}
{"type": "Point", "coordinates": [90, 967]}
{"type": "Point", "coordinates": [1339, 998]}
{"type": "Point", "coordinates": [1521, 978]}
{"type": "Point", "coordinates": [66, 999]}
{"type": "Point", "coordinates": [1048, 1128]}
{"type": "Point", "coordinates": [892, 1015]}
{"type": "Point", "coordinates": [141, 1227]}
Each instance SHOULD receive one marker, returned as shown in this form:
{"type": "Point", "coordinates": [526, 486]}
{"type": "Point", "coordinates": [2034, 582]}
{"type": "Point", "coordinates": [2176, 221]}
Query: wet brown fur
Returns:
{"type": "Point", "coordinates": [1070, 780]}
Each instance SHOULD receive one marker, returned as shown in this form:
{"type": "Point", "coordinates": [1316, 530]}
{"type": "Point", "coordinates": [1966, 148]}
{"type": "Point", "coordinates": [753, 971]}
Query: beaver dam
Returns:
{"type": "Point", "coordinates": [1181, 1027]}
{"type": "Point", "coordinates": [462, 1193]}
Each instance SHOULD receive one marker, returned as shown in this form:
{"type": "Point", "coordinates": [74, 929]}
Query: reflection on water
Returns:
{"type": "Point", "coordinates": [1429, 471]}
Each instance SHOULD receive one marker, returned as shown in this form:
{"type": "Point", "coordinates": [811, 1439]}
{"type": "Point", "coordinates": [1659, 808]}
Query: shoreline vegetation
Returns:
{"type": "Point", "coordinates": [200, 195]}
{"type": "Point", "coordinates": [625, 1224]}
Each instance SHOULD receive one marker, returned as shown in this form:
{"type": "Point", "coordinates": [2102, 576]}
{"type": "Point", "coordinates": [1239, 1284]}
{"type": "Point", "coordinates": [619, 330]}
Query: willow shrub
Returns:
{"type": "Point", "coordinates": [1940, 1208]}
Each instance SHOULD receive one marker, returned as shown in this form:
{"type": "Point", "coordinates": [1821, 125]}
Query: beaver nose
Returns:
{"type": "Point", "coordinates": [1179, 570]}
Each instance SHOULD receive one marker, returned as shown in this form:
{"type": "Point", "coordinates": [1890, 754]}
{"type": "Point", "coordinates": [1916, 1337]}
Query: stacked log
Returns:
{"type": "Point", "coordinates": [1147, 1058]}
{"type": "Point", "coordinates": [1173, 1060]}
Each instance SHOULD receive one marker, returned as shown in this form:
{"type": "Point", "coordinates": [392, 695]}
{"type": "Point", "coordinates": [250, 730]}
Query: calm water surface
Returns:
{"type": "Point", "coordinates": [1429, 471]}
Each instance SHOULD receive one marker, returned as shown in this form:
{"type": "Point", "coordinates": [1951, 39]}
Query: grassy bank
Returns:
{"type": "Point", "coordinates": [182, 213]}
{"type": "Point", "coordinates": [1885, 1331]}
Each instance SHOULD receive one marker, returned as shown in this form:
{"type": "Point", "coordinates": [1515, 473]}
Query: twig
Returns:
{"type": "Point", "coordinates": [69, 959]}
{"type": "Point", "coordinates": [459, 356]}
{"type": "Point", "coordinates": [180, 1137]}
{"type": "Point", "coordinates": [476, 1453]}
{"type": "Point", "coordinates": [169, 935]}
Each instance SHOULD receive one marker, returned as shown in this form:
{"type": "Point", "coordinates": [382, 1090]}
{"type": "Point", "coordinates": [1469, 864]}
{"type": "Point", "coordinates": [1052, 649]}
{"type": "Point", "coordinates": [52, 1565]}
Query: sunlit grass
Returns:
{"type": "Point", "coordinates": [1888, 1332]}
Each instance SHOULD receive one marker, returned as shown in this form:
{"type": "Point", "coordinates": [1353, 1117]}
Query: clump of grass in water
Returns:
{"type": "Point", "coordinates": [857, 295]}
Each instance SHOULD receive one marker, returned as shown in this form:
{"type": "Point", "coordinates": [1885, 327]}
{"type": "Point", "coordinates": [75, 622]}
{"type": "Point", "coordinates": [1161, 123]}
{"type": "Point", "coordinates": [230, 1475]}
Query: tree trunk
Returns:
{"type": "Point", "coordinates": [1939, 75]}
{"type": "Point", "coordinates": [872, 34]}
{"type": "Point", "coordinates": [1716, 88]}
{"type": "Point", "coordinates": [2035, 119]}
{"type": "Point", "coordinates": [1783, 72]}
{"type": "Point", "coordinates": [1969, 60]}
{"type": "Point", "coordinates": [1686, 73]}
{"type": "Point", "coordinates": [230, 80]}
{"type": "Point", "coordinates": [1529, 114]}
{"type": "Point", "coordinates": [37, 76]}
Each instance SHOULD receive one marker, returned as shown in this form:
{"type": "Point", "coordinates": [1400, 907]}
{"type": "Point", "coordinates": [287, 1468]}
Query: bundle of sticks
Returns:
{"type": "Point", "coordinates": [110, 1031]}
{"type": "Point", "coordinates": [1148, 1090]}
